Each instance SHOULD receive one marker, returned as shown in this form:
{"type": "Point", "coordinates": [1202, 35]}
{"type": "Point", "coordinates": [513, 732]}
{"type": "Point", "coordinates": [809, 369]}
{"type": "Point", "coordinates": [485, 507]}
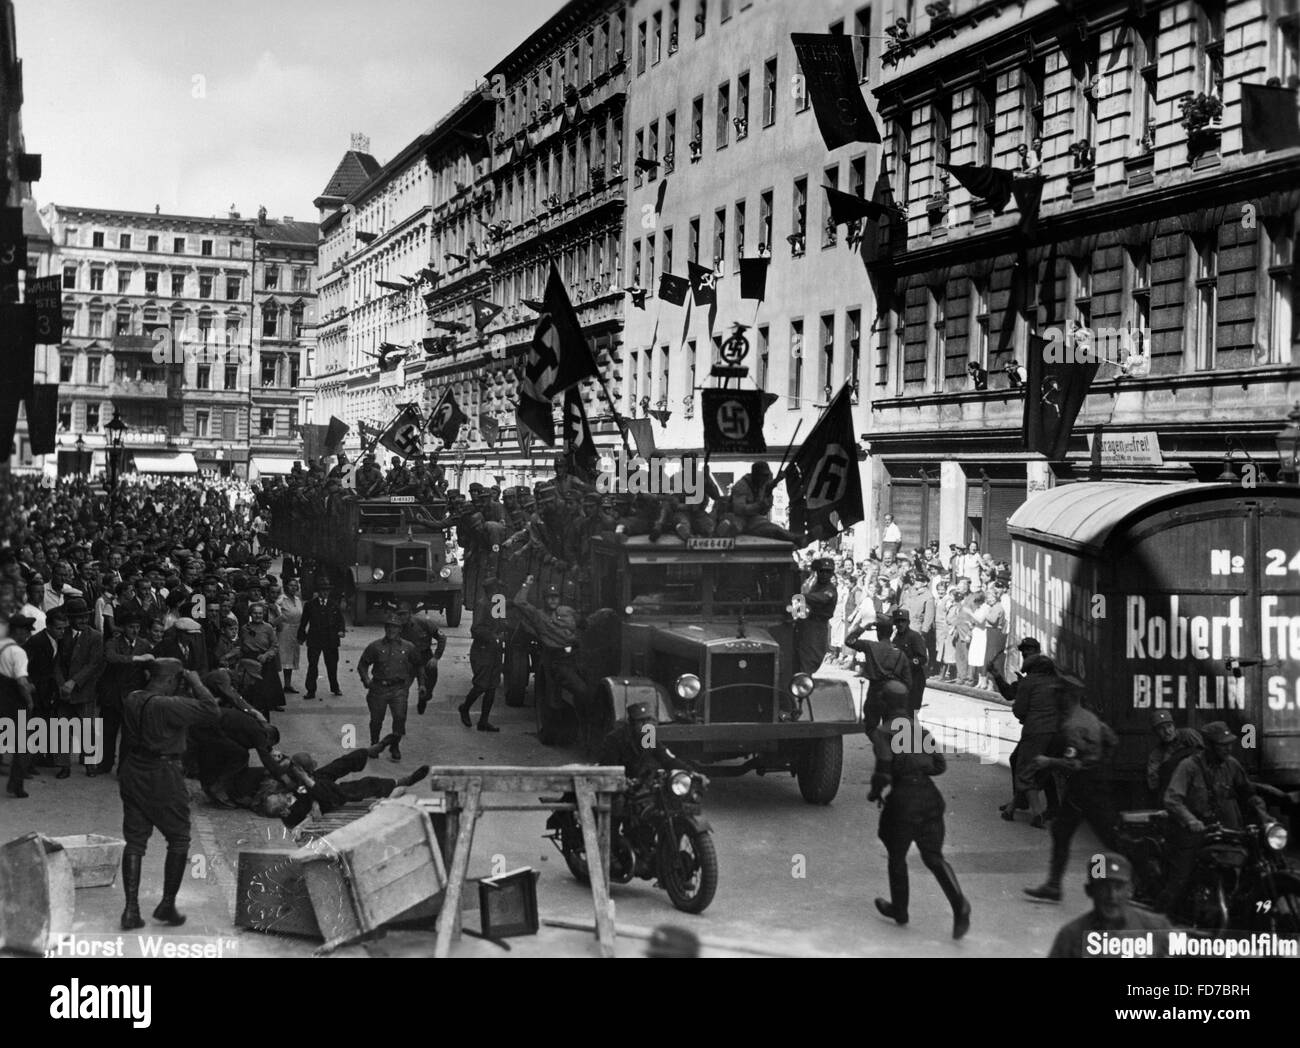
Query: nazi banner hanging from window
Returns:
{"type": "Point", "coordinates": [733, 420]}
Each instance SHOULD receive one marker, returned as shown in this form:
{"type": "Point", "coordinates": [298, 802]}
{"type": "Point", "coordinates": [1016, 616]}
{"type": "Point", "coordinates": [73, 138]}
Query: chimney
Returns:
{"type": "Point", "coordinates": [261, 213]}
{"type": "Point", "coordinates": [360, 142]}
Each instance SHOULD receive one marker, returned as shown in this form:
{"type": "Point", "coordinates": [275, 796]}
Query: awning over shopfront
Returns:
{"type": "Point", "coordinates": [277, 466]}
{"type": "Point", "coordinates": [165, 462]}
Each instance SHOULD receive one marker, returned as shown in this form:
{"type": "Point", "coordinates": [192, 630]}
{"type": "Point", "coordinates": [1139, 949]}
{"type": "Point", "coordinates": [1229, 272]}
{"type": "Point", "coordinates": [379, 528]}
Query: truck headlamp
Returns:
{"type": "Point", "coordinates": [801, 686]}
{"type": "Point", "coordinates": [688, 686]}
{"type": "Point", "coordinates": [376, 574]}
{"type": "Point", "coordinates": [1276, 836]}
{"type": "Point", "coordinates": [680, 784]}
{"type": "Point", "coordinates": [445, 573]}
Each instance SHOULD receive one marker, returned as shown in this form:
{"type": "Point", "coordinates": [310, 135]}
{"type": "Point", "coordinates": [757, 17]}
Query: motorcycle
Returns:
{"type": "Point", "coordinates": [1241, 879]}
{"type": "Point", "coordinates": [662, 835]}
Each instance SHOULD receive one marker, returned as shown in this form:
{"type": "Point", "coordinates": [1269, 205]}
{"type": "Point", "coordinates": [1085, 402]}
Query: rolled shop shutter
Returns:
{"type": "Point", "coordinates": [905, 502]}
{"type": "Point", "coordinates": [1004, 498]}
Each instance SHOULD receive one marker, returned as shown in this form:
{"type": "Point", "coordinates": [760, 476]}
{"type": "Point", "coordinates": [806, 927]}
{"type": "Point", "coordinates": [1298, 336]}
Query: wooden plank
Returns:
{"type": "Point", "coordinates": [449, 921]}
{"type": "Point", "coordinates": [524, 780]}
{"type": "Point", "coordinates": [600, 882]}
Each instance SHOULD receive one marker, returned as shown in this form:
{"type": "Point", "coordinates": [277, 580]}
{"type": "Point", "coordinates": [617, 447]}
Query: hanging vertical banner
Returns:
{"type": "Point", "coordinates": [43, 417]}
{"type": "Point", "coordinates": [13, 245]}
{"type": "Point", "coordinates": [831, 80]}
{"type": "Point", "coordinates": [44, 294]}
{"type": "Point", "coordinates": [733, 420]}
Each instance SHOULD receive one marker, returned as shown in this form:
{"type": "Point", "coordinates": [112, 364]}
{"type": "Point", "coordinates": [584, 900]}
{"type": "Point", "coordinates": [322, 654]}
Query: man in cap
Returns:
{"type": "Point", "coordinates": [184, 641]}
{"type": "Point", "coordinates": [1208, 788]}
{"type": "Point", "coordinates": [914, 649]}
{"type": "Point", "coordinates": [81, 660]}
{"type": "Point", "coordinates": [1109, 886]}
{"type": "Point", "coordinates": [751, 506]}
{"type": "Point", "coordinates": [1034, 703]}
{"type": "Point", "coordinates": [556, 628]}
{"type": "Point", "coordinates": [395, 664]}
{"type": "Point", "coordinates": [813, 632]}
{"type": "Point", "coordinates": [16, 693]}
{"type": "Point", "coordinates": [429, 642]}
{"type": "Point", "coordinates": [912, 810]}
{"type": "Point", "coordinates": [1087, 746]}
{"type": "Point", "coordinates": [321, 628]}
{"type": "Point", "coordinates": [1172, 745]}
{"type": "Point", "coordinates": [156, 720]}
{"type": "Point", "coordinates": [488, 633]}
{"type": "Point", "coordinates": [633, 745]}
{"type": "Point", "coordinates": [881, 663]}
{"type": "Point", "coordinates": [126, 657]}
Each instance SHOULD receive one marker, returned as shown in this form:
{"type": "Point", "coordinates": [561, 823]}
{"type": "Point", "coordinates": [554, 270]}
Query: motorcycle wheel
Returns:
{"type": "Point", "coordinates": [688, 868]}
{"type": "Point", "coordinates": [577, 863]}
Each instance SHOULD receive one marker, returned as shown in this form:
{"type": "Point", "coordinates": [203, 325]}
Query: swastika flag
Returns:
{"type": "Point", "coordinates": [733, 420]}
{"type": "Point", "coordinates": [823, 481]}
{"type": "Point", "coordinates": [403, 437]}
{"type": "Point", "coordinates": [831, 77]}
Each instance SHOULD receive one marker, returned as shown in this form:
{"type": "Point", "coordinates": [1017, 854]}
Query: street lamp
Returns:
{"type": "Point", "coordinates": [1288, 449]}
{"type": "Point", "coordinates": [116, 431]}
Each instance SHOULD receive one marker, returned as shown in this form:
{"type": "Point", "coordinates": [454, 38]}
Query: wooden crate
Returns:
{"type": "Point", "coordinates": [37, 894]}
{"type": "Point", "coordinates": [272, 893]}
{"type": "Point", "coordinates": [95, 858]}
{"type": "Point", "coordinates": [382, 867]}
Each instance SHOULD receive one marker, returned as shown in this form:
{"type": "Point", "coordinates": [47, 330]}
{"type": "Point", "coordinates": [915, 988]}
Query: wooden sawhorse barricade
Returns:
{"type": "Point", "coordinates": [470, 792]}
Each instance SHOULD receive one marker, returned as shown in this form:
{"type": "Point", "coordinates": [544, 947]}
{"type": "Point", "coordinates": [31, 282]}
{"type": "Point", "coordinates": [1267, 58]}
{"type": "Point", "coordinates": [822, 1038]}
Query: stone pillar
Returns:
{"type": "Point", "coordinates": [952, 505]}
{"type": "Point", "coordinates": [1039, 477]}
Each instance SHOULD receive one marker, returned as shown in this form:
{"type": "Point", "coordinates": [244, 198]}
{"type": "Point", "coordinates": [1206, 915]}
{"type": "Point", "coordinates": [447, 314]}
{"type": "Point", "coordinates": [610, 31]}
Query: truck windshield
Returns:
{"type": "Point", "coordinates": [758, 589]}
{"type": "Point", "coordinates": [668, 588]}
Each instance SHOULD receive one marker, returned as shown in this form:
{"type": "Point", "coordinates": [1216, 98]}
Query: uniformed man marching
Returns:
{"type": "Point", "coordinates": [556, 628]}
{"type": "Point", "coordinates": [485, 653]}
{"type": "Point", "coordinates": [814, 632]}
{"type": "Point", "coordinates": [155, 721]}
{"type": "Point", "coordinates": [396, 663]}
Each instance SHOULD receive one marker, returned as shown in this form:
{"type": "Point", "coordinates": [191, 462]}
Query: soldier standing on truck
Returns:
{"type": "Point", "coordinates": [814, 632]}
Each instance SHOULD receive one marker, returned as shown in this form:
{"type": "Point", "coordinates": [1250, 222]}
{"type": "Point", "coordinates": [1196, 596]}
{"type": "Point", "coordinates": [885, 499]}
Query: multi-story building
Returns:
{"type": "Point", "coordinates": [715, 98]}
{"type": "Point", "coordinates": [283, 324]}
{"type": "Point", "coordinates": [157, 314]}
{"type": "Point", "coordinates": [1156, 232]}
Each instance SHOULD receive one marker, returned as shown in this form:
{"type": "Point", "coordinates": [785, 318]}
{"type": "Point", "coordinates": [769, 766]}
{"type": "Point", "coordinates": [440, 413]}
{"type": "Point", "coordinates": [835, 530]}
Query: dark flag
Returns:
{"type": "Point", "coordinates": [17, 348]}
{"type": "Point", "coordinates": [313, 441]}
{"type": "Point", "coordinates": [879, 238]}
{"type": "Point", "coordinates": [484, 312]}
{"type": "Point", "coordinates": [1028, 191]}
{"type": "Point", "coordinates": [846, 208]}
{"type": "Point", "coordinates": [989, 183]}
{"type": "Point", "coordinates": [831, 78]}
{"type": "Point", "coordinates": [13, 244]}
{"type": "Point", "coordinates": [824, 483]}
{"type": "Point", "coordinates": [439, 344]}
{"type": "Point", "coordinates": [1054, 394]}
{"type": "Point", "coordinates": [673, 289]}
{"type": "Point", "coordinates": [366, 238]}
{"type": "Point", "coordinates": [1269, 119]}
{"type": "Point", "coordinates": [642, 435]}
{"type": "Point", "coordinates": [389, 357]}
{"type": "Point", "coordinates": [753, 277]}
{"type": "Point", "coordinates": [335, 433]}
{"type": "Point", "coordinates": [8, 418]}
{"type": "Point", "coordinates": [704, 284]}
{"type": "Point", "coordinates": [659, 199]}
{"type": "Point", "coordinates": [490, 428]}
{"type": "Point", "coordinates": [43, 417]}
{"type": "Point", "coordinates": [476, 145]}
{"type": "Point", "coordinates": [534, 305]}
{"type": "Point", "coordinates": [525, 438]}
{"type": "Point", "coordinates": [578, 446]}
{"type": "Point", "coordinates": [446, 420]}
{"type": "Point", "coordinates": [639, 296]}
{"type": "Point", "coordinates": [403, 436]}
{"type": "Point", "coordinates": [451, 325]}
{"type": "Point", "coordinates": [647, 165]}
{"type": "Point", "coordinates": [733, 420]}
{"type": "Point", "coordinates": [560, 355]}
{"type": "Point", "coordinates": [45, 296]}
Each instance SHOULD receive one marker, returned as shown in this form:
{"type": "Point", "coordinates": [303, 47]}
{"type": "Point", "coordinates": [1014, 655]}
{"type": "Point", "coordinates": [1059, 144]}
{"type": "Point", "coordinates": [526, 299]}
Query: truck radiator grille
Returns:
{"type": "Point", "coordinates": [741, 695]}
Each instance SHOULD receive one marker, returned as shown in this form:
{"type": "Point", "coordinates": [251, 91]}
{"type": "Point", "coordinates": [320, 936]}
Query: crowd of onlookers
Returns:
{"type": "Point", "coordinates": [959, 603]}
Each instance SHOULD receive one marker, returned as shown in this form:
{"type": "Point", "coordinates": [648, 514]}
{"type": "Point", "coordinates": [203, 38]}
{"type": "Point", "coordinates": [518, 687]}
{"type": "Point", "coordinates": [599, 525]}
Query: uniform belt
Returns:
{"type": "Point", "coordinates": [153, 755]}
{"type": "Point", "coordinates": [391, 681]}
{"type": "Point", "coordinates": [911, 778]}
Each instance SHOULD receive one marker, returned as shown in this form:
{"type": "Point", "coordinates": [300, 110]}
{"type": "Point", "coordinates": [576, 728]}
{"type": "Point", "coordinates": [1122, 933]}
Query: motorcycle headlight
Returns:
{"type": "Point", "coordinates": [680, 784]}
{"type": "Point", "coordinates": [1276, 836]}
{"type": "Point", "coordinates": [688, 686]}
{"type": "Point", "coordinates": [376, 574]}
{"type": "Point", "coordinates": [801, 686]}
{"type": "Point", "coordinates": [445, 573]}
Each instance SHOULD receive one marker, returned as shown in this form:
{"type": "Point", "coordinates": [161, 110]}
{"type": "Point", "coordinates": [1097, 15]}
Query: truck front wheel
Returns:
{"type": "Point", "coordinates": [516, 673]}
{"type": "Point", "coordinates": [453, 609]}
{"type": "Point", "coordinates": [819, 767]}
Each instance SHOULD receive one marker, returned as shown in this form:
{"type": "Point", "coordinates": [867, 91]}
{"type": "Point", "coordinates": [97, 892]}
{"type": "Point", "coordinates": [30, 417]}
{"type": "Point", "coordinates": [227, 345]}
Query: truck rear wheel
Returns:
{"type": "Point", "coordinates": [453, 609]}
{"type": "Point", "coordinates": [516, 674]}
{"type": "Point", "coordinates": [819, 768]}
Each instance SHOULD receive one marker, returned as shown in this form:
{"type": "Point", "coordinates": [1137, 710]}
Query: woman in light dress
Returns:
{"type": "Point", "coordinates": [289, 604]}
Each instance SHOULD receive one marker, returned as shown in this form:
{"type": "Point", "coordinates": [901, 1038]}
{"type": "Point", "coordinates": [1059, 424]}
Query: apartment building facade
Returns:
{"type": "Point", "coordinates": [1156, 233]}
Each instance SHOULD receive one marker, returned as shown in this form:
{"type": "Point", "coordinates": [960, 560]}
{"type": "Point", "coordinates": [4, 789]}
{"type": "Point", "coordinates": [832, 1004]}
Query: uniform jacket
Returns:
{"type": "Point", "coordinates": [321, 624]}
{"type": "Point", "coordinates": [558, 629]}
{"type": "Point", "coordinates": [1033, 697]}
{"type": "Point", "coordinates": [390, 660]}
{"type": "Point", "coordinates": [1212, 792]}
{"type": "Point", "coordinates": [821, 599]}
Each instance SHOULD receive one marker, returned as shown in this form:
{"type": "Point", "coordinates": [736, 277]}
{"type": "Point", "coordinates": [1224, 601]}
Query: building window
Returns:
{"type": "Point", "coordinates": [765, 221]}
{"type": "Point", "coordinates": [701, 18]}
{"type": "Point", "coordinates": [65, 367]}
{"type": "Point", "coordinates": [201, 423]}
{"type": "Point", "coordinates": [123, 323]}
{"type": "Point", "coordinates": [205, 330]}
{"type": "Point", "coordinates": [271, 278]}
{"type": "Point", "coordinates": [724, 114]}
{"type": "Point", "coordinates": [903, 158]}
{"type": "Point", "coordinates": [769, 92]}
{"type": "Point", "coordinates": [96, 280]}
{"type": "Point", "coordinates": [719, 237]}
{"type": "Point", "coordinates": [1081, 290]}
{"type": "Point", "coordinates": [151, 282]}
{"type": "Point", "coordinates": [69, 278]}
{"type": "Point", "coordinates": [203, 378]}
{"type": "Point", "coordinates": [96, 324]}
{"type": "Point", "coordinates": [657, 36]}
{"type": "Point", "coordinates": [724, 10]}
{"type": "Point", "coordinates": [640, 49]}
{"type": "Point", "coordinates": [638, 148]}
{"type": "Point", "coordinates": [938, 335]}
{"type": "Point", "coordinates": [233, 331]}
{"type": "Point", "coordinates": [178, 285]}
{"type": "Point", "coordinates": [652, 141]}
{"type": "Point", "coordinates": [799, 217]}
{"type": "Point", "coordinates": [151, 243]}
{"type": "Point", "coordinates": [979, 323]}
{"type": "Point", "coordinates": [205, 285]}
{"type": "Point", "coordinates": [826, 362]}
{"type": "Point", "coordinates": [123, 281]}
{"type": "Point", "coordinates": [986, 112]}
{"type": "Point", "coordinates": [270, 366]}
{"type": "Point", "coordinates": [293, 421]}
{"type": "Point", "coordinates": [266, 422]}
{"type": "Point", "coordinates": [668, 250]}
{"type": "Point", "coordinates": [270, 322]}
{"type": "Point", "coordinates": [858, 176]}
{"type": "Point", "coordinates": [650, 261]}
{"type": "Point", "coordinates": [295, 323]}
{"type": "Point", "coordinates": [854, 331]}
{"type": "Point", "coordinates": [674, 13]}
{"type": "Point", "coordinates": [178, 246]}
{"type": "Point", "coordinates": [862, 40]}
{"type": "Point", "coordinates": [742, 106]}
{"type": "Point", "coordinates": [740, 233]}
{"type": "Point", "coordinates": [693, 241]}
{"type": "Point", "coordinates": [830, 177]}
{"type": "Point", "coordinates": [1209, 45]}
{"type": "Point", "coordinates": [941, 131]}
{"type": "Point", "coordinates": [764, 357]}
{"type": "Point", "coordinates": [205, 247]}
{"type": "Point", "coordinates": [236, 249]}
{"type": "Point", "coordinates": [232, 376]}
{"type": "Point", "coordinates": [232, 288]}
{"type": "Point", "coordinates": [124, 241]}
{"type": "Point", "coordinates": [636, 265]}
{"type": "Point", "coordinates": [65, 418]}
{"type": "Point", "coordinates": [670, 141]}
{"type": "Point", "coordinates": [92, 418]}
{"type": "Point", "coordinates": [97, 239]}
{"type": "Point", "coordinates": [794, 388]}
{"type": "Point", "coordinates": [1282, 279]}
{"type": "Point", "coordinates": [299, 279]}
{"type": "Point", "coordinates": [697, 126]}
{"type": "Point", "coordinates": [1205, 277]}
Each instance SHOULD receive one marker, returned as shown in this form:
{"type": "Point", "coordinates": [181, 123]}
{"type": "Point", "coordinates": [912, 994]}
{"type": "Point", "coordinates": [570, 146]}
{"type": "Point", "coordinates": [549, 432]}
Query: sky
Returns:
{"type": "Point", "coordinates": [194, 106]}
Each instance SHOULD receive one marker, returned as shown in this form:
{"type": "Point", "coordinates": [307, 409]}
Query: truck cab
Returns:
{"type": "Point", "coordinates": [403, 553]}
{"type": "Point", "coordinates": [706, 638]}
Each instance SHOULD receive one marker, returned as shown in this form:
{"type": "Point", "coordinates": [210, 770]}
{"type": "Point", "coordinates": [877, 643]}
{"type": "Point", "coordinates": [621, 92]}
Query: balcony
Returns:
{"type": "Point", "coordinates": [137, 389]}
